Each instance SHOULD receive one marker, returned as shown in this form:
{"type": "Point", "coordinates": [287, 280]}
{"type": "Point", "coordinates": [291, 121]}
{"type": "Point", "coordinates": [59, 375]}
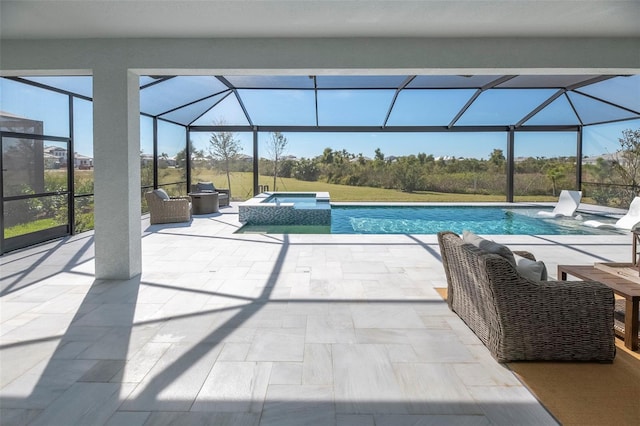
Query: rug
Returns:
{"type": "Point", "coordinates": [579, 393]}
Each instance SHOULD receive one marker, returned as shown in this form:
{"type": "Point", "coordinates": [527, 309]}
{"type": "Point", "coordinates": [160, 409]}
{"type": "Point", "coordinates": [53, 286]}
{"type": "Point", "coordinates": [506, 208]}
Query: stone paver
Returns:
{"type": "Point", "coordinates": [234, 329]}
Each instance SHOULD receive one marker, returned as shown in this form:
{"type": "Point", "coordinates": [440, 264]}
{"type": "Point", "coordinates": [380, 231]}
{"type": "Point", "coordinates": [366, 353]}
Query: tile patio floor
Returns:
{"type": "Point", "coordinates": [231, 329]}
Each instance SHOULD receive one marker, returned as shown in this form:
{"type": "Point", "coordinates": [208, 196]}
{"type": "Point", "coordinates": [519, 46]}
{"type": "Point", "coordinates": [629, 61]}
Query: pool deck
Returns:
{"type": "Point", "coordinates": [251, 329]}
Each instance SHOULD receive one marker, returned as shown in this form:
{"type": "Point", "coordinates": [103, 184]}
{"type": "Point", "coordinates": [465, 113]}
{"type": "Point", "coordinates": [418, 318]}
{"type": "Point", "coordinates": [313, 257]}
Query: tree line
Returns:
{"type": "Point", "coordinates": [609, 181]}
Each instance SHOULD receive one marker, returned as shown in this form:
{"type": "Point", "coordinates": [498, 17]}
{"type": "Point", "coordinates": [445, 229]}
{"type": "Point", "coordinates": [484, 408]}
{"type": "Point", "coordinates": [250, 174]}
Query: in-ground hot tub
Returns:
{"type": "Point", "coordinates": [287, 208]}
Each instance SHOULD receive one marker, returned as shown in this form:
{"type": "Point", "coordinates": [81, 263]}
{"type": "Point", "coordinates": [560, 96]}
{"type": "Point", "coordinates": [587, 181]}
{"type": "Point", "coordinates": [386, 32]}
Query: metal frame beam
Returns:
{"type": "Point", "coordinates": [604, 101]}
{"type": "Point", "coordinates": [256, 161]}
{"type": "Point", "coordinates": [478, 92]}
{"type": "Point", "coordinates": [395, 96]}
{"type": "Point", "coordinates": [160, 80]}
{"type": "Point", "coordinates": [71, 162]}
{"type": "Point", "coordinates": [315, 96]}
{"type": "Point", "coordinates": [235, 92]}
{"type": "Point", "coordinates": [579, 159]}
{"type": "Point", "coordinates": [510, 163]}
{"type": "Point", "coordinates": [210, 108]}
{"type": "Point", "coordinates": [377, 129]}
{"type": "Point", "coordinates": [540, 107]}
{"type": "Point", "coordinates": [194, 102]}
{"type": "Point", "coordinates": [46, 87]}
{"type": "Point", "coordinates": [155, 152]}
{"type": "Point", "coordinates": [187, 158]}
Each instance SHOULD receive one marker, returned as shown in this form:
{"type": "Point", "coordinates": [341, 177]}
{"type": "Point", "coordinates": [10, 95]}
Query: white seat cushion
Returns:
{"type": "Point", "coordinates": [534, 271]}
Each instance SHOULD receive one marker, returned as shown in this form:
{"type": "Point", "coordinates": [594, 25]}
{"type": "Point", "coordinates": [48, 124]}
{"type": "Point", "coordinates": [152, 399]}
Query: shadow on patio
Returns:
{"type": "Point", "coordinates": [256, 329]}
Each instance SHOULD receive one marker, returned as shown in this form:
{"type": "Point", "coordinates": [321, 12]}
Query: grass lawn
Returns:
{"type": "Point", "coordinates": [242, 189]}
{"type": "Point", "coordinates": [27, 228]}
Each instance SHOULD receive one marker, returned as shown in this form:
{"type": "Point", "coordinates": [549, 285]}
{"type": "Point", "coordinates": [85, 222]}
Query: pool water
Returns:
{"type": "Point", "coordinates": [433, 219]}
{"type": "Point", "coordinates": [300, 201]}
{"type": "Point", "coordinates": [489, 220]}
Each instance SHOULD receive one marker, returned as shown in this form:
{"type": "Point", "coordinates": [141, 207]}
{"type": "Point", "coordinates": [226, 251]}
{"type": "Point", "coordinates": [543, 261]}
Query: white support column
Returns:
{"type": "Point", "coordinates": [116, 145]}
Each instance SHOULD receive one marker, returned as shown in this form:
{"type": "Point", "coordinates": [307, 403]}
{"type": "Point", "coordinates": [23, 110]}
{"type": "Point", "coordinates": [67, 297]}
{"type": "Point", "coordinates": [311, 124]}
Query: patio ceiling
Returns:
{"type": "Point", "coordinates": [379, 102]}
{"type": "Point", "coordinates": [49, 19]}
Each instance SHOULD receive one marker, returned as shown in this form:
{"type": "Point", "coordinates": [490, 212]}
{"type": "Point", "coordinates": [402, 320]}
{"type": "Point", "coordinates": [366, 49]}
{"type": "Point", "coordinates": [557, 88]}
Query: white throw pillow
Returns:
{"type": "Point", "coordinates": [534, 271]}
{"type": "Point", "coordinates": [161, 193]}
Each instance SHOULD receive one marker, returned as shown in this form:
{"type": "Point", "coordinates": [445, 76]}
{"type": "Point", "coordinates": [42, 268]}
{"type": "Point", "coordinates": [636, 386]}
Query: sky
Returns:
{"type": "Point", "coordinates": [365, 108]}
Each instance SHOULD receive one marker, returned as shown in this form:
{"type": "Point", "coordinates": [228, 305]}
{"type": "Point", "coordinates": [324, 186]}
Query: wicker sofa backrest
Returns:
{"type": "Point", "coordinates": [469, 292]}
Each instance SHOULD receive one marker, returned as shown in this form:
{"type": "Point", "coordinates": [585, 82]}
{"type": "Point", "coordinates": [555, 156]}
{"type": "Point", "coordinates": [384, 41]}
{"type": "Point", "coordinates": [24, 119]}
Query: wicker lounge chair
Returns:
{"type": "Point", "coordinates": [519, 319]}
{"type": "Point", "coordinates": [224, 195]}
{"type": "Point", "coordinates": [568, 203]}
{"type": "Point", "coordinates": [165, 209]}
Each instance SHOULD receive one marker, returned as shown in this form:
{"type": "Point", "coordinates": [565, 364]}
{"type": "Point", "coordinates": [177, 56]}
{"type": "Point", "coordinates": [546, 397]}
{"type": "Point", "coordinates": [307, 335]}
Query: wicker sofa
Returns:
{"type": "Point", "coordinates": [519, 319]}
{"type": "Point", "coordinates": [165, 209]}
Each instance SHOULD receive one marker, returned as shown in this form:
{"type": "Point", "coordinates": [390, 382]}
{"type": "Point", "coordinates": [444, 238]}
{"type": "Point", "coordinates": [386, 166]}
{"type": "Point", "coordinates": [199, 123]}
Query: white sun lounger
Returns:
{"type": "Point", "coordinates": [628, 221]}
{"type": "Point", "coordinates": [568, 203]}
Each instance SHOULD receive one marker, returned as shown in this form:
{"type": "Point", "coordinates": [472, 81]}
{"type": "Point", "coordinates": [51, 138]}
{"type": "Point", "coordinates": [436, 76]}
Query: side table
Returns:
{"type": "Point", "coordinates": [204, 202]}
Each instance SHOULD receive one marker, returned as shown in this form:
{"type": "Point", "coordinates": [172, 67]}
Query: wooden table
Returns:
{"type": "Point", "coordinates": [620, 286]}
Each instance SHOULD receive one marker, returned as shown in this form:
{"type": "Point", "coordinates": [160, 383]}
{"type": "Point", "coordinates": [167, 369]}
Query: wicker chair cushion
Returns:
{"type": "Point", "coordinates": [534, 271]}
{"type": "Point", "coordinates": [488, 246]}
{"type": "Point", "coordinates": [205, 187]}
{"type": "Point", "coordinates": [161, 193]}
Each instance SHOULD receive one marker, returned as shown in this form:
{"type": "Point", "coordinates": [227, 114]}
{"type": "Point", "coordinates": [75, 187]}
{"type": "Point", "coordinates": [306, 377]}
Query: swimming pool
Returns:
{"type": "Point", "coordinates": [405, 219]}
{"type": "Point", "coordinates": [299, 201]}
{"type": "Point", "coordinates": [498, 220]}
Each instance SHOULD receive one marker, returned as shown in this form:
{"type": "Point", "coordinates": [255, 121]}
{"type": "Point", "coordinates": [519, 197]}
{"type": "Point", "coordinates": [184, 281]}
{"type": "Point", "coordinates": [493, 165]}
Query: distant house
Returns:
{"type": "Point", "coordinates": [58, 152]}
{"type": "Point", "coordinates": [51, 161]}
{"type": "Point", "coordinates": [607, 157]}
{"type": "Point", "coordinates": [60, 155]}
{"type": "Point", "coordinates": [82, 162]}
{"type": "Point", "coordinates": [146, 159]}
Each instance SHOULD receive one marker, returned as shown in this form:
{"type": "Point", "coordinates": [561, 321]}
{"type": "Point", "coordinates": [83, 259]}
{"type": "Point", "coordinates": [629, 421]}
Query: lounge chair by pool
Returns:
{"type": "Point", "coordinates": [568, 203]}
{"type": "Point", "coordinates": [628, 221]}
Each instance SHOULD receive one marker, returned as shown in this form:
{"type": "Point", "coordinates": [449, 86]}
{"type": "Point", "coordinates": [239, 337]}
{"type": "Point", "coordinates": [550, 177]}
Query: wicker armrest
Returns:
{"type": "Point", "coordinates": [554, 320]}
{"type": "Point", "coordinates": [226, 198]}
{"type": "Point", "coordinates": [525, 254]}
{"type": "Point", "coordinates": [558, 310]}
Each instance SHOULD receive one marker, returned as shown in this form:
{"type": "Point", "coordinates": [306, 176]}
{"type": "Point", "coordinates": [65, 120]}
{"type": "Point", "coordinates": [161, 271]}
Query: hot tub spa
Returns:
{"type": "Point", "coordinates": [286, 208]}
